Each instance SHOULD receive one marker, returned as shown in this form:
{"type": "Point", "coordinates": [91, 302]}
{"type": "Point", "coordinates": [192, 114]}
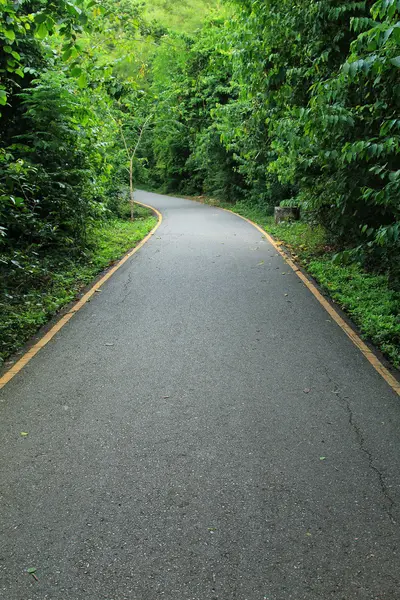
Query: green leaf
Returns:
{"type": "Point", "coordinates": [395, 61]}
{"type": "Point", "coordinates": [9, 34]}
{"type": "Point", "coordinates": [40, 18]}
{"type": "Point", "coordinates": [387, 34]}
{"type": "Point", "coordinates": [41, 31]}
{"type": "Point", "coordinates": [82, 81]}
{"type": "Point", "coordinates": [76, 72]}
{"type": "Point", "coordinates": [73, 9]}
{"type": "Point", "coordinates": [32, 570]}
{"type": "Point", "coordinates": [3, 97]}
{"type": "Point", "coordinates": [67, 54]}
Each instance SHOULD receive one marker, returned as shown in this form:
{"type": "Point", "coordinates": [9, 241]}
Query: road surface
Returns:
{"type": "Point", "coordinates": [200, 430]}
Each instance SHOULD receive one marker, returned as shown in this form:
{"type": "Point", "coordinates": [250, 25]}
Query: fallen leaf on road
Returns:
{"type": "Point", "coordinates": [109, 344]}
{"type": "Point", "coordinates": [286, 294]}
{"type": "Point", "coordinates": [24, 433]}
{"type": "Point", "coordinates": [322, 457]}
{"type": "Point", "coordinates": [261, 262]}
{"type": "Point", "coordinates": [307, 391]}
{"type": "Point", "coordinates": [32, 571]}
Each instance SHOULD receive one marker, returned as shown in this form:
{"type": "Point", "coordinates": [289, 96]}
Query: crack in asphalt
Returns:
{"type": "Point", "coordinates": [390, 503]}
{"type": "Point", "coordinates": [127, 288]}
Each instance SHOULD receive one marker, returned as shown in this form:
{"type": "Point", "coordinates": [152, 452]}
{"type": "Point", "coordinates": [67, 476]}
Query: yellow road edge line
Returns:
{"type": "Point", "coordinates": [29, 354]}
{"type": "Point", "coordinates": [354, 337]}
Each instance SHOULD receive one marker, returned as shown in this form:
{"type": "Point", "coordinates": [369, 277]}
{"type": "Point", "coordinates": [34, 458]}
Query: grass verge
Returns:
{"type": "Point", "coordinates": [365, 297]}
{"type": "Point", "coordinates": [37, 287]}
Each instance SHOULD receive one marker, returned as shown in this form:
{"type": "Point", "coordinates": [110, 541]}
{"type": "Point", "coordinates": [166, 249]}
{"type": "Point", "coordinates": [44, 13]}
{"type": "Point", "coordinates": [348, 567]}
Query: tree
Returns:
{"type": "Point", "coordinates": [132, 133]}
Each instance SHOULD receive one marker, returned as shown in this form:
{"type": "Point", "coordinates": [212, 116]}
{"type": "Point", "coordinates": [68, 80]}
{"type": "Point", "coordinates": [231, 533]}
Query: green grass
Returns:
{"type": "Point", "coordinates": [44, 285]}
{"type": "Point", "coordinates": [365, 297]}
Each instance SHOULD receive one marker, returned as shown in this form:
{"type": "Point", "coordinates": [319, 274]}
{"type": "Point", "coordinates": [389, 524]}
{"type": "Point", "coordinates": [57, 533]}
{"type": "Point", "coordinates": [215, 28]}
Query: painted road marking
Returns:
{"type": "Point", "coordinates": [354, 337]}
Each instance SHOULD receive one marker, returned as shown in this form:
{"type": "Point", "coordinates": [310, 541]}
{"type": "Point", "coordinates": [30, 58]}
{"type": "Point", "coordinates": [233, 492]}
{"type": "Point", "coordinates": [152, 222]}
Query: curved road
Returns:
{"type": "Point", "coordinates": [230, 444]}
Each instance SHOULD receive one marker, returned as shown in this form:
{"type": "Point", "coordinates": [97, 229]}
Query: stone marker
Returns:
{"type": "Point", "coordinates": [286, 213]}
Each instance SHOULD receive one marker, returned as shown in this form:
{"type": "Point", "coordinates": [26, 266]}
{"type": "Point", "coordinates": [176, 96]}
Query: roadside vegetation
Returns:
{"type": "Point", "coordinates": [253, 102]}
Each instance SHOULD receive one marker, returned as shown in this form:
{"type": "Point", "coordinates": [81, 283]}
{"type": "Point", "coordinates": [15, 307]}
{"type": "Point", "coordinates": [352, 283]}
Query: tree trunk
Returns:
{"type": "Point", "coordinates": [131, 199]}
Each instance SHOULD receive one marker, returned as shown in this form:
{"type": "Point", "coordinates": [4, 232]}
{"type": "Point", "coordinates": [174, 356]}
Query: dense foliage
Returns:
{"type": "Point", "coordinates": [60, 139]}
{"type": "Point", "coordinates": [291, 102]}
{"type": "Point", "coordinates": [74, 98]}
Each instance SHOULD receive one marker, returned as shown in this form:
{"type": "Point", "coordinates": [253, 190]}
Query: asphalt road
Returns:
{"type": "Point", "coordinates": [230, 444]}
